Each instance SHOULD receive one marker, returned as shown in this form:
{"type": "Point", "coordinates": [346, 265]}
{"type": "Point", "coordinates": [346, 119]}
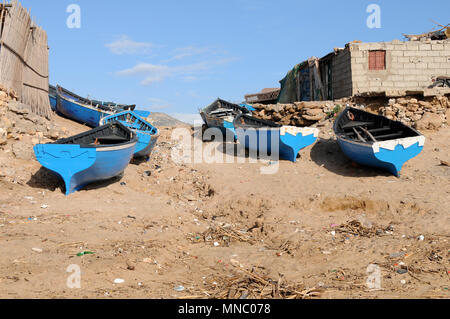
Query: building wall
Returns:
{"type": "Point", "coordinates": [342, 75]}
{"type": "Point", "coordinates": [409, 65]}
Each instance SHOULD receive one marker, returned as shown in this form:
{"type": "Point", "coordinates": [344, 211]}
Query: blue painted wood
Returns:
{"type": "Point", "coordinates": [81, 164]}
{"type": "Point", "coordinates": [147, 134]}
{"type": "Point", "coordinates": [52, 96]}
{"type": "Point", "coordinates": [76, 110]}
{"type": "Point", "coordinates": [265, 137]}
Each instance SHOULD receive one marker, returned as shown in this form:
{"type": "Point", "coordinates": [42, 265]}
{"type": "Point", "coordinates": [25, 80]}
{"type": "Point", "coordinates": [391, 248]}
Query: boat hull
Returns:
{"type": "Point", "coordinates": [283, 142]}
{"type": "Point", "coordinates": [53, 101]}
{"type": "Point", "coordinates": [376, 141]}
{"type": "Point", "coordinates": [80, 113]}
{"type": "Point", "coordinates": [79, 166]}
{"type": "Point", "coordinates": [391, 158]}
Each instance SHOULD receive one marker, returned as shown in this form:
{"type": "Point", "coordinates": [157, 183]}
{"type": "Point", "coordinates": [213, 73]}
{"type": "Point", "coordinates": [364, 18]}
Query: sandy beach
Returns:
{"type": "Point", "coordinates": [173, 230]}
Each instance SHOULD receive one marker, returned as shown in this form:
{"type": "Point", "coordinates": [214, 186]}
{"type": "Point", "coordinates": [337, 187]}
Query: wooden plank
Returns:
{"type": "Point", "coordinates": [359, 136]}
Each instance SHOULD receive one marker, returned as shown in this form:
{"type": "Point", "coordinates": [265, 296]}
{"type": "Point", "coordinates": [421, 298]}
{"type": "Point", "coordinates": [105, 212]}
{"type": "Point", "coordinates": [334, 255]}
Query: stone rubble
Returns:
{"type": "Point", "coordinates": [20, 130]}
{"type": "Point", "coordinates": [425, 113]}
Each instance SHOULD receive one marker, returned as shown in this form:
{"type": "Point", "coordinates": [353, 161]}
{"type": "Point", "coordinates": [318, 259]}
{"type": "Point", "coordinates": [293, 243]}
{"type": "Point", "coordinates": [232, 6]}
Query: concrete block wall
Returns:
{"type": "Point", "coordinates": [409, 65]}
{"type": "Point", "coordinates": [342, 74]}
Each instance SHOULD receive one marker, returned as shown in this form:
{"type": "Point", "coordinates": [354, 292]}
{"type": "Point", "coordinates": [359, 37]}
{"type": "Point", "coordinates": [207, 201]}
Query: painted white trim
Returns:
{"type": "Point", "coordinates": [405, 142]}
{"type": "Point", "coordinates": [116, 148]}
{"type": "Point", "coordinates": [294, 131]}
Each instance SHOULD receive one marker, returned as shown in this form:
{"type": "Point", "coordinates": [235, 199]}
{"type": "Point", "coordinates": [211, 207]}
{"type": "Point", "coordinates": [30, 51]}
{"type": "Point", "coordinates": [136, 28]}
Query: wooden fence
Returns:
{"type": "Point", "coordinates": [24, 57]}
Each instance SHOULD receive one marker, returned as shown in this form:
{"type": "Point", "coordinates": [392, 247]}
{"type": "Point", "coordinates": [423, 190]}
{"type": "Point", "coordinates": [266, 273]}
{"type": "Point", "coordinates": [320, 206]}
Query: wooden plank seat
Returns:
{"type": "Point", "coordinates": [355, 124]}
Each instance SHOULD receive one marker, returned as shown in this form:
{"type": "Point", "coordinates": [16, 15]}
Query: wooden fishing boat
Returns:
{"type": "Point", "coordinates": [96, 155]}
{"type": "Point", "coordinates": [221, 114]}
{"type": "Point", "coordinates": [53, 97]}
{"type": "Point", "coordinates": [268, 137]}
{"type": "Point", "coordinates": [146, 133]}
{"type": "Point", "coordinates": [374, 140]}
{"type": "Point", "coordinates": [86, 111]}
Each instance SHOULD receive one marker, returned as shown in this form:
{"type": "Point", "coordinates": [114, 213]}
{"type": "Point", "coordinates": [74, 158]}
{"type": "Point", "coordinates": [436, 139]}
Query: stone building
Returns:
{"type": "Point", "coordinates": [385, 68]}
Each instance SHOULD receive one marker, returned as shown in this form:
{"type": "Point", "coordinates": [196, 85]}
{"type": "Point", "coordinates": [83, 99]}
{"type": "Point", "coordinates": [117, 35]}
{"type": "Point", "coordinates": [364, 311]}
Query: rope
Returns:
{"type": "Point", "coordinates": [35, 87]}
{"type": "Point", "coordinates": [3, 44]}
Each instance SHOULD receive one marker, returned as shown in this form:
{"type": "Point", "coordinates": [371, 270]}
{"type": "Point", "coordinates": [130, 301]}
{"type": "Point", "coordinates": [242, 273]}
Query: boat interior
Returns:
{"type": "Point", "coordinates": [221, 108]}
{"type": "Point", "coordinates": [109, 134]}
{"type": "Point", "coordinates": [246, 122]}
{"type": "Point", "coordinates": [361, 126]}
{"type": "Point", "coordinates": [138, 124]}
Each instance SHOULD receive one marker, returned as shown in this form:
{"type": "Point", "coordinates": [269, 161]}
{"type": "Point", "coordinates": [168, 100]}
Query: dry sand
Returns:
{"type": "Point", "coordinates": [223, 230]}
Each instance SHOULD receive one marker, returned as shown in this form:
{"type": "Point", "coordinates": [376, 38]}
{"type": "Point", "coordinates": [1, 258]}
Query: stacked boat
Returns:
{"type": "Point", "coordinates": [102, 153]}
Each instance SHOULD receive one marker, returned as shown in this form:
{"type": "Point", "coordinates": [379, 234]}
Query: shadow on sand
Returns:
{"type": "Point", "coordinates": [47, 180]}
{"type": "Point", "coordinates": [328, 154]}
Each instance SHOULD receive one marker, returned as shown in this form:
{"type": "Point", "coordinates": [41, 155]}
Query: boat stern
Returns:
{"type": "Point", "coordinates": [294, 139]}
{"type": "Point", "coordinates": [396, 153]}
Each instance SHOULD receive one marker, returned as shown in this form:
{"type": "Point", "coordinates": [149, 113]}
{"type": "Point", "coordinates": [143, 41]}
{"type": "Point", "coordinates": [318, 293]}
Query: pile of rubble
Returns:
{"type": "Point", "coordinates": [420, 112]}
{"type": "Point", "coordinates": [20, 129]}
{"type": "Point", "coordinates": [298, 113]}
{"type": "Point", "coordinates": [427, 113]}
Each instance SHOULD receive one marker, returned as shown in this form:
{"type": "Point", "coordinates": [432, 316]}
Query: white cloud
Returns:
{"type": "Point", "coordinates": [158, 72]}
{"type": "Point", "coordinates": [181, 53]}
{"type": "Point", "coordinates": [124, 45]}
{"type": "Point", "coordinates": [188, 118]}
{"type": "Point", "coordinates": [159, 104]}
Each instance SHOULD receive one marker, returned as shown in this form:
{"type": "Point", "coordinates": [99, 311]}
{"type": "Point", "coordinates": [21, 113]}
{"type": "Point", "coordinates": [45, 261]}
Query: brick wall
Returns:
{"type": "Point", "coordinates": [342, 75]}
{"type": "Point", "coordinates": [409, 65]}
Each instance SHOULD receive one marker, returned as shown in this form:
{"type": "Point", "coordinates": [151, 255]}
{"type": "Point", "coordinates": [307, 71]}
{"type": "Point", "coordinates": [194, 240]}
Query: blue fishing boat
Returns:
{"type": "Point", "coordinates": [146, 133]}
{"type": "Point", "coordinates": [53, 97]}
{"type": "Point", "coordinates": [96, 155]}
{"type": "Point", "coordinates": [221, 115]}
{"type": "Point", "coordinates": [267, 137]}
{"type": "Point", "coordinates": [86, 111]}
{"type": "Point", "coordinates": [374, 140]}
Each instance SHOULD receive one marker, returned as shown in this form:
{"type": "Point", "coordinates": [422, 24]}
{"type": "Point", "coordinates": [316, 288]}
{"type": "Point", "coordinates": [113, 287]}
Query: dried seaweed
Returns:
{"type": "Point", "coordinates": [249, 284]}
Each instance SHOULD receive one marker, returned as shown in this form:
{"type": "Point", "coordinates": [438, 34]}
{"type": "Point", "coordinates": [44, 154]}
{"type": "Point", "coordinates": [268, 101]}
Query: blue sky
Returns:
{"type": "Point", "coordinates": [178, 56]}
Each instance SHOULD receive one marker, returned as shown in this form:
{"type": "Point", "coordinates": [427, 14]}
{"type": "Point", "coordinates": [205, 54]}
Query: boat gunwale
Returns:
{"type": "Point", "coordinates": [133, 139]}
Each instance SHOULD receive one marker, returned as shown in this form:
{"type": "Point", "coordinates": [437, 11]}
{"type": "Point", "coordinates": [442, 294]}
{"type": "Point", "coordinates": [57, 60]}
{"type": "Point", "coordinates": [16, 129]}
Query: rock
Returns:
{"type": "Point", "coordinates": [314, 112]}
{"type": "Point", "coordinates": [53, 134]}
{"type": "Point", "coordinates": [447, 115]}
{"type": "Point", "coordinates": [4, 96]}
{"type": "Point", "coordinates": [19, 108]}
{"type": "Point", "coordinates": [429, 121]}
{"type": "Point", "coordinates": [22, 151]}
{"type": "Point", "coordinates": [314, 118]}
{"type": "Point", "coordinates": [31, 117]}
{"type": "Point", "coordinates": [6, 124]}
{"type": "Point", "coordinates": [3, 136]}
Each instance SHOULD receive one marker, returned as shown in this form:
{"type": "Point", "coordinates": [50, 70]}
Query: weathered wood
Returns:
{"type": "Point", "coordinates": [369, 134]}
{"type": "Point", "coordinates": [24, 58]}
